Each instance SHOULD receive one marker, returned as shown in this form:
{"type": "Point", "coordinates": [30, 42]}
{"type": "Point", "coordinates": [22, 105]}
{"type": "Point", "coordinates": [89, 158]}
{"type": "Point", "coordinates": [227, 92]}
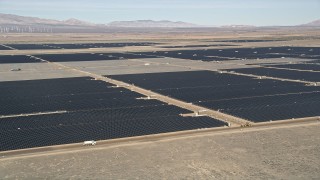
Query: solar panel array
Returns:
{"type": "Point", "coordinates": [196, 46]}
{"type": "Point", "coordinates": [79, 109]}
{"type": "Point", "coordinates": [60, 129]}
{"type": "Point", "coordinates": [91, 57]}
{"type": "Point", "coordinates": [259, 100]}
{"type": "Point", "coordinates": [281, 73]}
{"type": "Point", "coordinates": [76, 46]}
{"type": "Point", "coordinates": [241, 53]}
{"type": "Point", "coordinates": [4, 48]}
{"type": "Point", "coordinates": [30, 46]}
{"type": "Point", "coordinates": [272, 107]}
{"type": "Point", "coordinates": [317, 62]}
{"type": "Point", "coordinates": [6, 59]}
{"type": "Point", "coordinates": [312, 67]}
{"type": "Point", "coordinates": [247, 40]}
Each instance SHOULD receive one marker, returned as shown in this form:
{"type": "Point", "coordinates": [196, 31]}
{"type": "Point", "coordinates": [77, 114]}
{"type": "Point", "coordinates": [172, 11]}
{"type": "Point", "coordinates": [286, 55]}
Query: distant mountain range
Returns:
{"type": "Point", "coordinates": [313, 23]}
{"type": "Point", "coordinates": [237, 26]}
{"type": "Point", "coordinates": [15, 20]}
{"type": "Point", "coordinates": [150, 23]}
{"type": "Point", "coordinates": [9, 19]}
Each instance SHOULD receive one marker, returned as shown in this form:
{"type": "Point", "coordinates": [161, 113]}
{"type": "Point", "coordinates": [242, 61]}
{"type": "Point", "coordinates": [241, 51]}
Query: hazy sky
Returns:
{"type": "Point", "coordinates": [205, 12]}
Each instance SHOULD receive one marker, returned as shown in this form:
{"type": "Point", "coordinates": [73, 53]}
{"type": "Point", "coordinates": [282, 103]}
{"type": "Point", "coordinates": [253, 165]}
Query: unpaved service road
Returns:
{"type": "Point", "coordinates": [275, 153]}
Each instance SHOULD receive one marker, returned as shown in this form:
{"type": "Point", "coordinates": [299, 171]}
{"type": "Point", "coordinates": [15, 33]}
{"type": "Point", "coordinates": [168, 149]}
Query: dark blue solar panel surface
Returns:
{"type": "Point", "coordinates": [267, 108]}
{"type": "Point", "coordinates": [181, 79]}
{"type": "Point", "coordinates": [30, 46]}
{"type": "Point", "coordinates": [247, 40]}
{"type": "Point", "coordinates": [231, 91]}
{"type": "Point", "coordinates": [5, 59]}
{"type": "Point", "coordinates": [53, 87]}
{"type": "Point", "coordinates": [241, 53]}
{"type": "Point", "coordinates": [76, 46]}
{"type": "Point", "coordinates": [317, 61]}
{"type": "Point", "coordinates": [96, 111]}
{"type": "Point", "coordinates": [190, 46]}
{"type": "Point", "coordinates": [4, 48]}
{"type": "Point", "coordinates": [71, 94]}
{"type": "Point", "coordinates": [313, 67]}
{"type": "Point", "coordinates": [27, 132]}
{"type": "Point", "coordinates": [100, 45]}
{"type": "Point", "coordinates": [219, 91]}
{"type": "Point", "coordinates": [91, 57]}
{"type": "Point", "coordinates": [281, 73]}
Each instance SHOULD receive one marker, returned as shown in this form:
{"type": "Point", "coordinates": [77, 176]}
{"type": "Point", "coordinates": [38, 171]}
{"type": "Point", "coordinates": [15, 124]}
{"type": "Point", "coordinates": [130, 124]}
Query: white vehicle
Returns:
{"type": "Point", "coordinates": [89, 143]}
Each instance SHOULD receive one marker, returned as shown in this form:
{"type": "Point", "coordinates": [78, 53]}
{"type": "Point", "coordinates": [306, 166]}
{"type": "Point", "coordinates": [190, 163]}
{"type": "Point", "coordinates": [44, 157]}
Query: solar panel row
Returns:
{"type": "Point", "coordinates": [91, 57]}
{"type": "Point", "coordinates": [95, 110]}
{"type": "Point", "coordinates": [313, 67]}
{"type": "Point", "coordinates": [203, 45]}
{"type": "Point", "coordinates": [75, 46]}
{"type": "Point", "coordinates": [247, 40]}
{"type": "Point", "coordinates": [280, 73]}
{"type": "Point", "coordinates": [4, 47]}
{"type": "Point", "coordinates": [55, 129]}
{"type": "Point", "coordinates": [266, 108]}
{"type": "Point", "coordinates": [241, 53]}
{"type": "Point", "coordinates": [236, 95]}
{"type": "Point", "coordinates": [5, 59]}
